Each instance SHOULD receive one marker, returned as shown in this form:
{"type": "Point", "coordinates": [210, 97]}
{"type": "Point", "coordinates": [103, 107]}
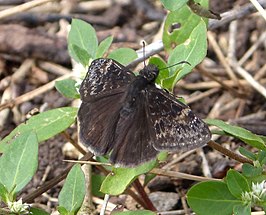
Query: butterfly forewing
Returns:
{"type": "Point", "coordinates": [175, 125]}
{"type": "Point", "coordinates": [102, 93]}
{"type": "Point", "coordinates": [105, 77]}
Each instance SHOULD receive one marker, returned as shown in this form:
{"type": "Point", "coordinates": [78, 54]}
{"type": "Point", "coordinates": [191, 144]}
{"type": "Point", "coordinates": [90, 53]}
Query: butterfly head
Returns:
{"type": "Point", "coordinates": [149, 72]}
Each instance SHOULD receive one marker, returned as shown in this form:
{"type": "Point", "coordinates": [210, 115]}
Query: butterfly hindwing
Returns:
{"type": "Point", "coordinates": [105, 77]}
{"type": "Point", "coordinates": [175, 125]}
{"type": "Point", "coordinates": [133, 144]}
{"type": "Point", "coordinates": [97, 121]}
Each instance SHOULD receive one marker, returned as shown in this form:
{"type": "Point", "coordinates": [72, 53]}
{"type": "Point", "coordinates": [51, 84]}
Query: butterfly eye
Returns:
{"type": "Point", "coordinates": [151, 76]}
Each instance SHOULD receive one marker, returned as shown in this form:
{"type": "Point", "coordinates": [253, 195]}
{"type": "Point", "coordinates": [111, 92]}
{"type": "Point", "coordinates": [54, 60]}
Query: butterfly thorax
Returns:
{"type": "Point", "coordinates": [135, 93]}
{"type": "Point", "coordinates": [138, 87]}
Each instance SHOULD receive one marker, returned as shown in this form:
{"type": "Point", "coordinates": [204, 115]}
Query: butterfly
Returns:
{"type": "Point", "coordinates": [131, 119]}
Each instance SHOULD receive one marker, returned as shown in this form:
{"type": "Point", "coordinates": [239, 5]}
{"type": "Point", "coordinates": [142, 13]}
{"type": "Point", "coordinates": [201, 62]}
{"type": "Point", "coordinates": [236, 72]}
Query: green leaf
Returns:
{"type": "Point", "coordinates": [247, 153]}
{"type": "Point", "coordinates": [82, 35]}
{"type": "Point", "coordinates": [162, 156]}
{"type": "Point", "coordinates": [67, 88]}
{"type": "Point", "coordinates": [46, 124]}
{"type": "Point", "coordinates": [96, 181]}
{"type": "Point", "coordinates": [169, 83]}
{"type": "Point", "coordinates": [123, 177]}
{"type": "Point", "coordinates": [141, 212]}
{"type": "Point", "coordinates": [263, 138]}
{"type": "Point", "coordinates": [240, 133]}
{"type": "Point", "coordinates": [123, 55]}
{"type": "Point", "coordinates": [164, 72]}
{"type": "Point", "coordinates": [62, 210]}
{"type": "Point", "coordinates": [38, 211]}
{"type": "Point", "coordinates": [201, 11]}
{"type": "Point", "coordinates": [193, 51]}
{"type": "Point", "coordinates": [73, 192]}
{"type": "Point", "coordinates": [19, 162]}
{"type": "Point", "coordinates": [236, 183]}
{"type": "Point", "coordinates": [262, 157]}
{"type": "Point", "coordinates": [251, 171]}
{"type": "Point", "coordinates": [187, 21]}
{"type": "Point", "coordinates": [104, 46]}
{"type": "Point", "coordinates": [148, 178]}
{"type": "Point", "coordinates": [82, 55]}
{"type": "Point", "coordinates": [242, 210]}
{"type": "Point", "coordinates": [104, 159]}
{"type": "Point", "coordinates": [211, 197]}
{"type": "Point", "coordinates": [173, 5]}
{"type": "Point", "coordinates": [3, 193]}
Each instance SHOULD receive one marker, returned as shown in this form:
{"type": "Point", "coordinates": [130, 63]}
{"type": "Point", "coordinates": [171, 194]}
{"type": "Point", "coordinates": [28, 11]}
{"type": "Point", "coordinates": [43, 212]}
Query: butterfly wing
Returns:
{"type": "Point", "coordinates": [104, 78]}
{"type": "Point", "coordinates": [133, 144]}
{"type": "Point", "coordinates": [97, 121]}
{"type": "Point", "coordinates": [175, 126]}
{"type": "Point", "coordinates": [102, 92]}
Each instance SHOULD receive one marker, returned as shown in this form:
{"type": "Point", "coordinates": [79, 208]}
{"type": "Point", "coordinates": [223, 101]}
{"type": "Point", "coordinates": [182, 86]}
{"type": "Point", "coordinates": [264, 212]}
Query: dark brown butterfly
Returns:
{"type": "Point", "coordinates": [129, 117]}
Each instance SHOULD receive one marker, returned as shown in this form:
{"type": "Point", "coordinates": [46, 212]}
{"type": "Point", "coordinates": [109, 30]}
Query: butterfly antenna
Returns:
{"type": "Point", "coordinates": [181, 62]}
{"type": "Point", "coordinates": [144, 55]}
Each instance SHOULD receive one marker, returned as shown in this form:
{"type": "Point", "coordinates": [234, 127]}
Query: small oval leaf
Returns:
{"type": "Point", "coordinates": [73, 191]}
{"type": "Point", "coordinates": [242, 210]}
{"type": "Point", "coordinates": [82, 55]}
{"type": "Point", "coordinates": [180, 24]}
{"type": "Point", "coordinates": [211, 197]}
{"type": "Point", "coordinates": [123, 55]}
{"type": "Point", "coordinates": [120, 178]}
{"type": "Point", "coordinates": [67, 88]}
{"type": "Point", "coordinates": [238, 132]}
{"type": "Point", "coordinates": [45, 124]}
{"type": "Point", "coordinates": [104, 46]}
{"type": "Point", "coordinates": [192, 51]}
{"type": "Point", "coordinates": [173, 5]}
{"type": "Point", "coordinates": [38, 211]}
{"type": "Point", "coordinates": [83, 35]}
{"type": "Point", "coordinates": [236, 183]}
{"type": "Point", "coordinates": [163, 70]}
{"type": "Point", "coordinates": [251, 171]}
{"type": "Point", "coordinates": [19, 162]}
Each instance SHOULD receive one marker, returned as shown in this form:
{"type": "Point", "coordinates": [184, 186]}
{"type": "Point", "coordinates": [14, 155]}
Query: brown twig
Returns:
{"type": "Point", "coordinates": [137, 185]}
{"type": "Point", "coordinates": [74, 143]}
{"type": "Point", "coordinates": [229, 153]}
{"type": "Point", "coordinates": [237, 13]}
{"type": "Point", "coordinates": [136, 197]}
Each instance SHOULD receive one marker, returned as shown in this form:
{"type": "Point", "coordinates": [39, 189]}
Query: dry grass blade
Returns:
{"type": "Point", "coordinates": [23, 7]}
{"type": "Point", "coordinates": [175, 174]}
{"type": "Point", "coordinates": [32, 94]}
{"type": "Point", "coordinates": [258, 6]}
{"type": "Point", "coordinates": [255, 84]}
{"type": "Point", "coordinates": [222, 58]}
